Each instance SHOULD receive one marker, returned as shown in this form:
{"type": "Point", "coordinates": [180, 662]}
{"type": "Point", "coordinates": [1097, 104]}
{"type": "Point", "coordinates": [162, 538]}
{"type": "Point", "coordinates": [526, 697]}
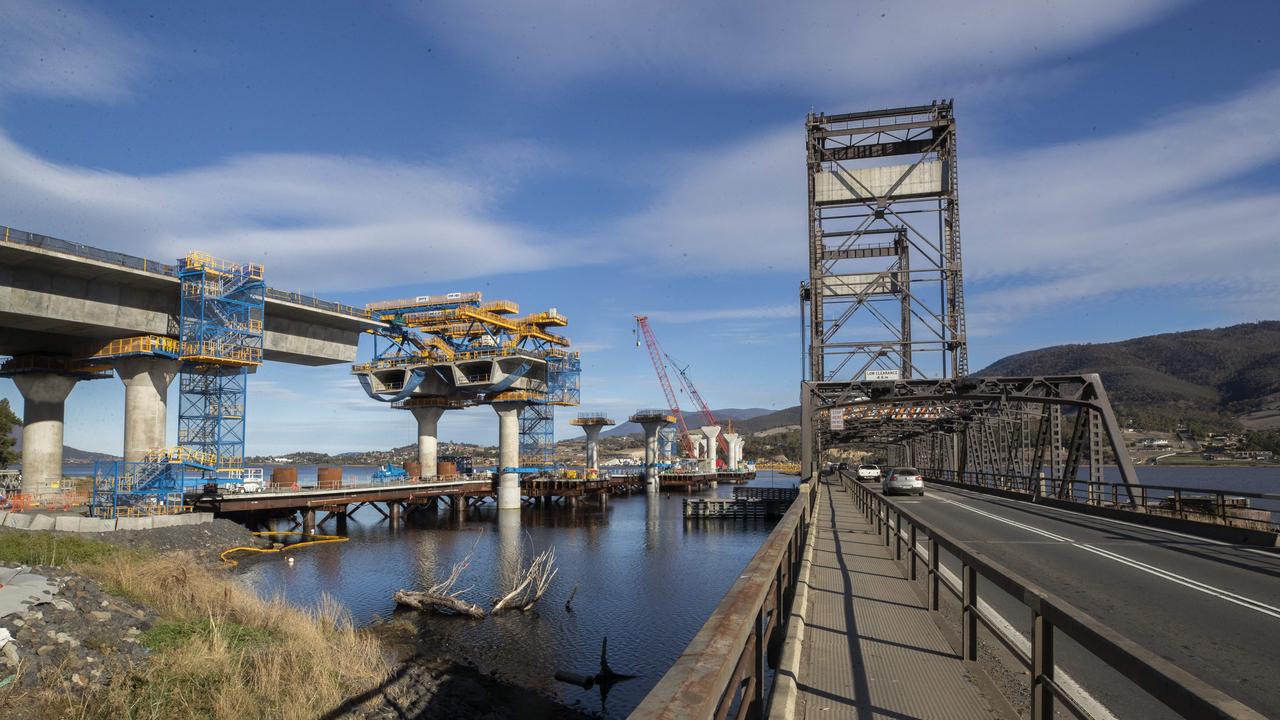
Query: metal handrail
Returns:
{"type": "Point", "coordinates": [723, 667]}
{"type": "Point", "coordinates": [1095, 493]}
{"type": "Point", "coordinates": [1180, 691]}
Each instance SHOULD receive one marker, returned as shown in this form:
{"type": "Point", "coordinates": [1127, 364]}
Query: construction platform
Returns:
{"type": "Point", "coordinates": [870, 648]}
{"type": "Point", "coordinates": [747, 502]}
{"type": "Point", "coordinates": [406, 495]}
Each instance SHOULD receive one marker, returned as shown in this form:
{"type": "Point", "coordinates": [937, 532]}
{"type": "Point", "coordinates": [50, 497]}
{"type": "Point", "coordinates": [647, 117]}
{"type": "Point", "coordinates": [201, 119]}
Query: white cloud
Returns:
{"type": "Point", "coordinates": [1159, 206]}
{"type": "Point", "coordinates": [737, 207]}
{"type": "Point", "coordinates": [317, 221]}
{"type": "Point", "coordinates": [823, 45]}
{"type": "Point", "coordinates": [61, 50]}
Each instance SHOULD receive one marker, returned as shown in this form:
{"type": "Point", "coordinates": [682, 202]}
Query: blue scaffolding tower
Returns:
{"type": "Point", "coordinates": [538, 419]}
{"type": "Point", "coordinates": [220, 335]}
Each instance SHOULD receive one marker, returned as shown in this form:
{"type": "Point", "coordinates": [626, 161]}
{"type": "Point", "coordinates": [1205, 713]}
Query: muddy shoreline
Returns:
{"type": "Point", "coordinates": [83, 635]}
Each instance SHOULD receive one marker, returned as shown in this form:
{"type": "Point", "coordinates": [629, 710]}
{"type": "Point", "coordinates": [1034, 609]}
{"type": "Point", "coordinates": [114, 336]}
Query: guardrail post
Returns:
{"type": "Point", "coordinates": [912, 550]}
{"type": "Point", "coordinates": [888, 527]}
{"type": "Point", "coordinates": [1041, 668]}
{"type": "Point", "coordinates": [969, 622]}
{"type": "Point", "coordinates": [897, 535]}
{"type": "Point", "coordinates": [934, 567]}
{"type": "Point", "coordinates": [757, 669]}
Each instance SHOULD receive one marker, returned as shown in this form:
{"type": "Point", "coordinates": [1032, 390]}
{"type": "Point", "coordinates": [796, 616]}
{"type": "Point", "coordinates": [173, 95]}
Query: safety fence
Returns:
{"type": "Point", "coordinates": [724, 670]}
{"type": "Point", "coordinates": [1222, 506]}
{"type": "Point", "coordinates": [1051, 616]}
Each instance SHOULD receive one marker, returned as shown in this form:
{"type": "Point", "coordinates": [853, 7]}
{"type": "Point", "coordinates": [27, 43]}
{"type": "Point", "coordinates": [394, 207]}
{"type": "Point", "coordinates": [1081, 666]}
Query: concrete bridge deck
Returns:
{"type": "Point", "coordinates": [870, 647]}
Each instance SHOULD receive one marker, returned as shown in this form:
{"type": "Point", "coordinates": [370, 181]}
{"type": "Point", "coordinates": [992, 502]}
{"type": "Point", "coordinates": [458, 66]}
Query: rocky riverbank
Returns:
{"type": "Point", "coordinates": [147, 624]}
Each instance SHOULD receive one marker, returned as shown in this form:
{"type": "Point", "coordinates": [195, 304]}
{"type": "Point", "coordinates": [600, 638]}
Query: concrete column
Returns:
{"type": "Point", "coordinates": [711, 432]}
{"type": "Point", "coordinates": [593, 438]}
{"type": "Point", "coordinates": [651, 453]}
{"type": "Point", "coordinates": [428, 443]}
{"type": "Point", "coordinates": [146, 393]}
{"type": "Point", "coordinates": [731, 462]}
{"type": "Point", "coordinates": [508, 454]}
{"type": "Point", "coordinates": [43, 407]}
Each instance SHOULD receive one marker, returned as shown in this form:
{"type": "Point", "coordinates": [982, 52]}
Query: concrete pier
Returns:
{"type": "Point", "coordinates": [711, 432]}
{"type": "Point", "coordinates": [593, 450]}
{"type": "Point", "coordinates": [733, 440]}
{"type": "Point", "coordinates": [428, 438]}
{"type": "Point", "coordinates": [651, 421]}
{"type": "Point", "coordinates": [508, 454]}
{"type": "Point", "coordinates": [43, 408]}
{"type": "Point", "coordinates": [146, 394]}
{"type": "Point", "coordinates": [592, 424]}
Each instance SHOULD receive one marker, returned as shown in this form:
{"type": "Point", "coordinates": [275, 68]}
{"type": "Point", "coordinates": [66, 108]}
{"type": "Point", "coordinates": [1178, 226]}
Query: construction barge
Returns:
{"type": "Point", "coordinates": [747, 502]}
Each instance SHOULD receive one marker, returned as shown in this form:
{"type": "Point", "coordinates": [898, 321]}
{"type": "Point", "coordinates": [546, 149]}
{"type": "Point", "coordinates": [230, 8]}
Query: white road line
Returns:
{"type": "Point", "coordinates": [1092, 706]}
{"type": "Point", "coordinates": [1137, 526]}
{"type": "Point", "coordinates": [1173, 577]}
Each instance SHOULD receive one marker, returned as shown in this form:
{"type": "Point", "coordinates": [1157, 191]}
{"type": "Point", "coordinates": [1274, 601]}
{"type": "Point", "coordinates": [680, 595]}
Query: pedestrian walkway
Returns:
{"type": "Point", "coordinates": [870, 648]}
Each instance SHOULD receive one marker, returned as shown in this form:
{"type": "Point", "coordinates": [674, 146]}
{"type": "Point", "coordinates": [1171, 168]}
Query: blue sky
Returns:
{"type": "Point", "coordinates": [1118, 169]}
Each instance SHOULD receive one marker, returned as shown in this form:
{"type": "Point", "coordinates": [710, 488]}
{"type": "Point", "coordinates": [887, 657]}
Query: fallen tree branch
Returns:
{"type": "Point", "coordinates": [532, 583]}
{"type": "Point", "coordinates": [441, 597]}
{"type": "Point", "coordinates": [440, 603]}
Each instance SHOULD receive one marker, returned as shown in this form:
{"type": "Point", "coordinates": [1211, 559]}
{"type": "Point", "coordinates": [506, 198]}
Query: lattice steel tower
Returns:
{"type": "Point", "coordinates": [885, 290]}
{"type": "Point", "coordinates": [220, 338]}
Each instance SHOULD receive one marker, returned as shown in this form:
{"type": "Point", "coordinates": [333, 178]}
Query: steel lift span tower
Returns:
{"type": "Point", "coordinates": [885, 290]}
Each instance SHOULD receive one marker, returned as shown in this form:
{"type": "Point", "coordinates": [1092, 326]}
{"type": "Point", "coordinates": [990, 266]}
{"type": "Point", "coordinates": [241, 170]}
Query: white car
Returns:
{"type": "Point", "coordinates": [867, 473]}
{"type": "Point", "coordinates": [905, 480]}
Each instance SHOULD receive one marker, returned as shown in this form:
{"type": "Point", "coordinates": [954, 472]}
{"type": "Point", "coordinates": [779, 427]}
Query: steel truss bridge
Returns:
{"type": "Point", "coordinates": [886, 349]}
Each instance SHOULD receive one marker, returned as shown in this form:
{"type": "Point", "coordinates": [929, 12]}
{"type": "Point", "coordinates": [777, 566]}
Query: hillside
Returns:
{"type": "Point", "coordinates": [69, 454]}
{"type": "Point", "coordinates": [1213, 379]}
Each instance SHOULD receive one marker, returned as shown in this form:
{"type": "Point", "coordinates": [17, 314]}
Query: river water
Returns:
{"type": "Point", "coordinates": [638, 573]}
{"type": "Point", "coordinates": [644, 577]}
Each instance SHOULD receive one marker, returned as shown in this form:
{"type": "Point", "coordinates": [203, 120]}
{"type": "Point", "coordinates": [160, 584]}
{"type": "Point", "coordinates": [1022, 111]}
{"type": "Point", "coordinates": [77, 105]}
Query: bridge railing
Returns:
{"type": "Point", "coordinates": [723, 670]}
{"type": "Point", "coordinates": [1180, 691]}
{"type": "Point", "coordinates": [45, 242]}
{"type": "Point", "coordinates": [1223, 506]}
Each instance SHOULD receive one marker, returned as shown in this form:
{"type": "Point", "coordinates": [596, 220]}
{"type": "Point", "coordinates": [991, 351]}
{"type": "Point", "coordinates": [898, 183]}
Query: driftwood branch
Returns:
{"type": "Point", "coordinates": [530, 585]}
{"type": "Point", "coordinates": [441, 597]}
{"type": "Point", "coordinates": [438, 603]}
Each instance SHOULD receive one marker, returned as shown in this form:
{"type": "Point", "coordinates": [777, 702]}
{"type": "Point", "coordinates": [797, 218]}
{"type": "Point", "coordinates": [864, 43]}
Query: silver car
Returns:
{"type": "Point", "coordinates": [903, 480]}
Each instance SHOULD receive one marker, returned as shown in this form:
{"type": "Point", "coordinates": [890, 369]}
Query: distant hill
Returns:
{"type": "Point", "coordinates": [1208, 378]}
{"type": "Point", "coordinates": [740, 417]}
{"type": "Point", "coordinates": [69, 454]}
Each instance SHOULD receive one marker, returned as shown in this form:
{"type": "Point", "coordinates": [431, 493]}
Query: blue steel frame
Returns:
{"type": "Point", "coordinates": [221, 334]}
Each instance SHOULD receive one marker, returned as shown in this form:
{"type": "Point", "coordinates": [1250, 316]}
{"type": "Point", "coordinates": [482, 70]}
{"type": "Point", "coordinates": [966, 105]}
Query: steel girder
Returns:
{"type": "Point", "coordinates": [1008, 426]}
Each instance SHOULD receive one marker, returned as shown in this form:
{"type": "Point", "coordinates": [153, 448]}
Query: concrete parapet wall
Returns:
{"type": "Point", "coordinates": [76, 523]}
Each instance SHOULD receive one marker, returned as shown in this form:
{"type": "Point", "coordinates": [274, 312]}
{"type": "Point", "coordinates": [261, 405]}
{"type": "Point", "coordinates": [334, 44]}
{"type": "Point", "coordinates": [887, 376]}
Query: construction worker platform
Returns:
{"type": "Point", "coordinates": [870, 648]}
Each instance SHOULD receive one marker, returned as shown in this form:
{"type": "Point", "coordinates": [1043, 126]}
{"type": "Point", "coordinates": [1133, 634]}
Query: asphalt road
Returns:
{"type": "Point", "coordinates": [1211, 608]}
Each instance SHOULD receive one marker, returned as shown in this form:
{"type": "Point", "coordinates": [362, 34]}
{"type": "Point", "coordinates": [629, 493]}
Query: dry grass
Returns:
{"type": "Point", "coordinates": [220, 651]}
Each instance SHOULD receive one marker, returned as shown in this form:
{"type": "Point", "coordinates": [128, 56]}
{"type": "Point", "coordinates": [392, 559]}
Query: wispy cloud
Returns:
{"type": "Point", "coordinates": [317, 221]}
{"type": "Point", "coordinates": [823, 45]}
{"type": "Point", "coordinates": [1159, 206]}
{"type": "Point", "coordinates": [63, 50]}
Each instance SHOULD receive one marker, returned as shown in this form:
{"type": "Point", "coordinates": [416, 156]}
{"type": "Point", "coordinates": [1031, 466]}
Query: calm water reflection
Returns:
{"type": "Point", "coordinates": [644, 577]}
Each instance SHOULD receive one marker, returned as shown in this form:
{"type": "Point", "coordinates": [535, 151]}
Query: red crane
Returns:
{"type": "Point", "coordinates": [655, 354]}
{"type": "Point", "coordinates": [707, 416]}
